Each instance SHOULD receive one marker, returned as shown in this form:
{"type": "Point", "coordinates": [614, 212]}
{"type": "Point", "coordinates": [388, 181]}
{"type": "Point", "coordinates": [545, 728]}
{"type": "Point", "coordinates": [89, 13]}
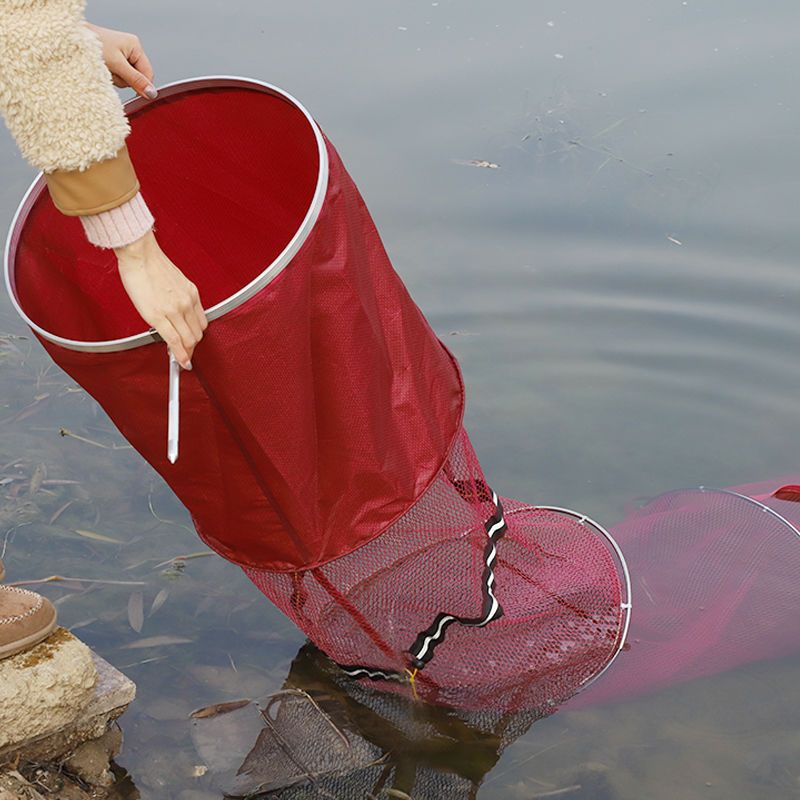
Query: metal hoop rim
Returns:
{"type": "Point", "coordinates": [706, 490]}
{"type": "Point", "coordinates": [229, 303]}
{"type": "Point", "coordinates": [626, 606]}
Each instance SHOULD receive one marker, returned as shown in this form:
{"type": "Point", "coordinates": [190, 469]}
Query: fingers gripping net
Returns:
{"type": "Point", "coordinates": [467, 596]}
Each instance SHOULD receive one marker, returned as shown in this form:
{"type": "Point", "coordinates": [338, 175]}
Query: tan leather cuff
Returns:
{"type": "Point", "coordinates": [104, 185]}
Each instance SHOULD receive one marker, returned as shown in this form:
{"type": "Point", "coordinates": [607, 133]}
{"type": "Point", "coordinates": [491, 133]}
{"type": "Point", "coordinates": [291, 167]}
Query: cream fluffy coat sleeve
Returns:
{"type": "Point", "coordinates": [60, 105]}
{"type": "Point", "coordinates": [56, 93]}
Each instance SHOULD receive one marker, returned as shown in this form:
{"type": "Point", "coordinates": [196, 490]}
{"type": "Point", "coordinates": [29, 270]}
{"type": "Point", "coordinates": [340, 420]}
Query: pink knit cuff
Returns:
{"type": "Point", "coordinates": [120, 225]}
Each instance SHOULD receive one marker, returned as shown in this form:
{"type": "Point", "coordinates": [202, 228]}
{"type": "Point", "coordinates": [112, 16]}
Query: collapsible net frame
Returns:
{"type": "Point", "coordinates": [321, 444]}
{"type": "Point", "coordinates": [483, 595]}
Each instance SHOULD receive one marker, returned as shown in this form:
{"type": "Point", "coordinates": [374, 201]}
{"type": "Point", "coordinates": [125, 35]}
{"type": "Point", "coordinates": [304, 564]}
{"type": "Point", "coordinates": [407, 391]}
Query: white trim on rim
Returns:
{"type": "Point", "coordinates": [236, 299]}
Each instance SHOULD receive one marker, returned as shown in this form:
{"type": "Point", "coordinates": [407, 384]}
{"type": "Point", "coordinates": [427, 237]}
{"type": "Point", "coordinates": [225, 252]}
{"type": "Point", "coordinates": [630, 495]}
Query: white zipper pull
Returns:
{"type": "Point", "coordinates": [173, 410]}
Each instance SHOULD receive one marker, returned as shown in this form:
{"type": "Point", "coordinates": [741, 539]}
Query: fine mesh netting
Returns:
{"type": "Point", "coordinates": [427, 752]}
{"type": "Point", "coordinates": [424, 583]}
{"type": "Point", "coordinates": [715, 585]}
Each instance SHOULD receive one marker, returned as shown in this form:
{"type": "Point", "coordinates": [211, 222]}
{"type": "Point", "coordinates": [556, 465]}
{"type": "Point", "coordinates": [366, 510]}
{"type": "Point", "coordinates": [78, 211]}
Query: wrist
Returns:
{"type": "Point", "coordinates": [138, 250]}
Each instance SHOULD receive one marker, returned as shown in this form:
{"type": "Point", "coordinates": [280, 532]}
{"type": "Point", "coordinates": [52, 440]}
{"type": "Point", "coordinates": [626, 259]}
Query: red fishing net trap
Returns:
{"type": "Point", "coordinates": [319, 436]}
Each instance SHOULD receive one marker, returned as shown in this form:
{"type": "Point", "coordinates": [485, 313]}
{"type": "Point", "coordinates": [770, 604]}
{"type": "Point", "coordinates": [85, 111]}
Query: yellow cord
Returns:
{"type": "Point", "coordinates": [412, 677]}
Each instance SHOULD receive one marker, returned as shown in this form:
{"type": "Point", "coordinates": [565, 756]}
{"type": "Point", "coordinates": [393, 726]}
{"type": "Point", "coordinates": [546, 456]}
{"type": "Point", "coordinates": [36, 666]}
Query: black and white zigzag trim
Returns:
{"type": "Point", "coordinates": [373, 674]}
{"type": "Point", "coordinates": [424, 645]}
{"type": "Point", "coordinates": [422, 650]}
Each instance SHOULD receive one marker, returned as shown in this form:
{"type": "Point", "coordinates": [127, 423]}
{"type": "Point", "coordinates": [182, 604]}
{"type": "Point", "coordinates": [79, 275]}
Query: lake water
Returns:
{"type": "Point", "coordinates": [621, 293]}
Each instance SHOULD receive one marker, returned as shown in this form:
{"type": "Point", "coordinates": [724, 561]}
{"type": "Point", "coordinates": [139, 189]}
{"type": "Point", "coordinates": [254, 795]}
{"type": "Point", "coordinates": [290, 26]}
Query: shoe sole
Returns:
{"type": "Point", "coordinates": [28, 642]}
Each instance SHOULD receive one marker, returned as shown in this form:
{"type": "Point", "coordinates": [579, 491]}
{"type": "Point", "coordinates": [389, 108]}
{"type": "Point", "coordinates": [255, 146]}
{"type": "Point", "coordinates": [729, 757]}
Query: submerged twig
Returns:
{"type": "Point", "coordinates": [144, 661]}
{"type": "Point", "coordinates": [201, 554]}
{"type": "Point", "coordinates": [610, 128]}
{"type": "Point", "coordinates": [162, 519]}
{"type": "Point", "coordinates": [557, 792]}
{"type": "Point", "coordinates": [60, 511]}
{"type": "Point", "coordinates": [27, 411]}
{"type": "Point", "coordinates": [606, 151]}
{"type": "Point", "coordinates": [67, 432]}
{"type": "Point", "coordinates": [57, 578]}
{"type": "Point", "coordinates": [522, 761]}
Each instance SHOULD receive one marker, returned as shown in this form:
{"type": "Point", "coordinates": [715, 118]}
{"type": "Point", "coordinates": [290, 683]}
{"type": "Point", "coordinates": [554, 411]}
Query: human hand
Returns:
{"type": "Point", "coordinates": [126, 60]}
{"type": "Point", "coordinates": [165, 298]}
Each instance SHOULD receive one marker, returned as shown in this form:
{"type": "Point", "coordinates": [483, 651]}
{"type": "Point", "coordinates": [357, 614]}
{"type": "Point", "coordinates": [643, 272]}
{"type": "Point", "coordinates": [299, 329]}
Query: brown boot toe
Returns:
{"type": "Point", "coordinates": [26, 618]}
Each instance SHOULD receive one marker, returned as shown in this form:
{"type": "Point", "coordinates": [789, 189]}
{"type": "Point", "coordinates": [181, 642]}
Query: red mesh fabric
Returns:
{"type": "Point", "coordinates": [714, 587]}
{"type": "Point", "coordinates": [556, 580]}
{"type": "Point", "coordinates": [318, 410]}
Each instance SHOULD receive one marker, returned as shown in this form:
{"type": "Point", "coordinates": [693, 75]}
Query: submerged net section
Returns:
{"type": "Point", "coordinates": [483, 595]}
{"type": "Point", "coordinates": [714, 582]}
{"type": "Point", "coordinates": [715, 576]}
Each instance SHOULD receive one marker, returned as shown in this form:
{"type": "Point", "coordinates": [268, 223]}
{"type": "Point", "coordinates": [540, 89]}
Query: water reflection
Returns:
{"type": "Point", "coordinates": [326, 735]}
